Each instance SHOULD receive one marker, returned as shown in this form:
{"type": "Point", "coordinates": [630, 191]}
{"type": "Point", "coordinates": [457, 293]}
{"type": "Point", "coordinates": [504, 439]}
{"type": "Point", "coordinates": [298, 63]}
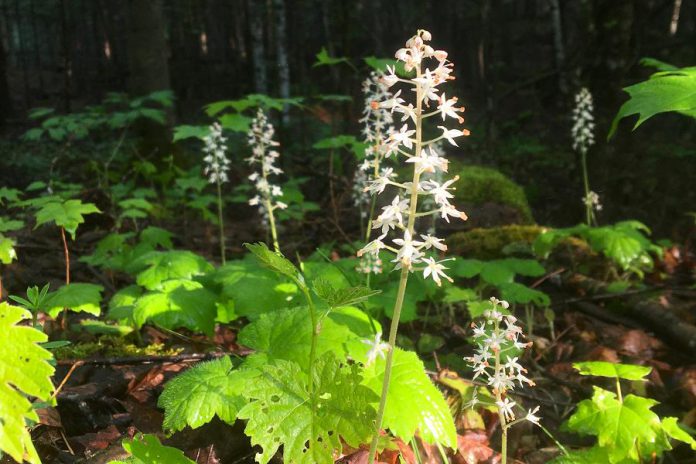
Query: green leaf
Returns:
{"type": "Point", "coordinates": [657, 64]}
{"type": "Point", "coordinates": [342, 296]}
{"type": "Point", "coordinates": [457, 294]}
{"type": "Point", "coordinates": [77, 297]}
{"type": "Point", "coordinates": [68, 214]}
{"type": "Point", "coordinates": [157, 237]}
{"type": "Point", "coordinates": [208, 389]}
{"type": "Point", "coordinates": [310, 426]}
{"type": "Point", "coordinates": [147, 449]}
{"type": "Point", "coordinates": [414, 403]}
{"type": "Point", "coordinates": [9, 225]}
{"type": "Point", "coordinates": [672, 429]}
{"type": "Point", "coordinates": [7, 250]}
{"type": "Point", "coordinates": [467, 268]}
{"type": "Point", "coordinates": [622, 427]}
{"type": "Point", "coordinates": [275, 261]}
{"type": "Point", "coordinates": [524, 267]}
{"type": "Point", "coordinates": [323, 59]}
{"type": "Point", "coordinates": [612, 370]}
{"type": "Point", "coordinates": [594, 455]}
{"type": "Point", "coordinates": [497, 273]}
{"type": "Point", "coordinates": [666, 91]}
{"type": "Point", "coordinates": [178, 303]}
{"type": "Point", "coordinates": [512, 292]}
{"type": "Point", "coordinates": [254, 290]}
{"type": "Point", "coordinates": [9, 195]}
{"type": "Point", "coordinates": [24, 371]}
{"type": "Point", "coordinates": [235, 122]}
{"type": "Point", "coordinates": [286, 334]}
{"type": "Point", "coordinates": [160, 266]}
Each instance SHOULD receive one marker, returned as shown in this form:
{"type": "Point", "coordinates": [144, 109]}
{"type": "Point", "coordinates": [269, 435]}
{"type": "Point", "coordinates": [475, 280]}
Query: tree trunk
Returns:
{"type": "Point", "coordinates": [258, 52]}
{"type": "Point", "coordinates": [147, 48]}
{"type": "Point", "coordinates": [5, 100]}
{"type": "Point", "coordinates": [558, 47]}
{"type": "Point", "coordinates": [282, 54]}
{"type": "Point", "coordinates": [148, 66]}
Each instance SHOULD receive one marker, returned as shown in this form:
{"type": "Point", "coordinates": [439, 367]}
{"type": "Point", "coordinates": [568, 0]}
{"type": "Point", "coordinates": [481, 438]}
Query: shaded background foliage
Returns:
{"type": "Point", "coordinates": [518, 64]}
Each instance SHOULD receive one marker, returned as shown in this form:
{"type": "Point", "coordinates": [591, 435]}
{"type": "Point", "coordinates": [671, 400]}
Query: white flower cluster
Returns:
{"type": "Point", "coordinates": [369, 264]}
{"type": "Point", "coordinates": [583, 122]}
{"type": "Point", "coordinates": [494, 336]}
{"type": "Point", "coordinates": [401, 214]}
{"type": "Point", "coordinates": [377, 127]}
{"type": "Point", "coordinates": [216, 161]}
{"type": "Point", "coordinates": [260, 139]}
{"type": "Point", "coordinates": [591, 200]}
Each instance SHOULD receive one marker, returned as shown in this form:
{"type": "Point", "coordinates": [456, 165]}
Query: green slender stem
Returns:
{"type": "Point", "coordinates": [66, 253]}
{"type": "Point", "coordinates": [269, 208]}
{"type": "Point", "coordinates": [403, 281]}
{"type": "Point", "coordinates": [312, 351]}
{"type": "Point", "coordinates": [618, 390]}
{"type": "Point", "coordinates": [499, 399]}
{"type": "Point", "coordinates": [222, 225]}
{"type": "Point", "coordinates": [586, 182]}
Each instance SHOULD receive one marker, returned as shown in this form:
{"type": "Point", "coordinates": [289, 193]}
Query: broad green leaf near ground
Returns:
{"type": "Point", "coordinates": [24, 371]}
{"type": "Point", "coordinates": [286, 334]}
{"type": "Point", "coordinates": [612, 370]}
{"type": "Point", "coordinates": [178, 303]}
{"type": "Point", "coordinates": [147, 449]}
{"type": "Point", "coordinates": [208, 389]}
{"type": "Point", "coordinates": [254, 290]}
{"type": "Point", "coordinates": [414, 402]}
{"type": "Point", "coordinates": [309, 425]}
{"type": "Point", "coordinates": [77, 297]}
{"type": "Point", "coordinates": [622, 427]}
{"type": "Point", "coordinates": [158, 266]}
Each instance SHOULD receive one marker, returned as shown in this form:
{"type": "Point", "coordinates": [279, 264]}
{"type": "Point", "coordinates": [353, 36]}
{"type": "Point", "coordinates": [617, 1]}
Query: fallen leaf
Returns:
{"type": "Point", "coordinates": [472, 448]}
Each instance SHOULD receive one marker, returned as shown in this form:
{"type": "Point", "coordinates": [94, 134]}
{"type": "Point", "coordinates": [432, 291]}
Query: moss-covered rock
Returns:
{"type": "Point", "coordinates": [489, 197]}
{"type": "Point", "coordinates": [494, 242]}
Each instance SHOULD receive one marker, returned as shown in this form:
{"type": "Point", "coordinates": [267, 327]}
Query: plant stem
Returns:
{"type": "Point", "coordinates": [403, 281]}
{"type": "Point", "coordinates": [66, 252]}
{"type": "Point", "coordinates": [618, 390]}
{"type": "Point", "coordinates": [269, 207]}
{"type": "Point", "coordinates": [222, 225]}
{"type": "Point", "coordinates": [586, 182]}
{"type": "Point", "coordinates": [499, 399]}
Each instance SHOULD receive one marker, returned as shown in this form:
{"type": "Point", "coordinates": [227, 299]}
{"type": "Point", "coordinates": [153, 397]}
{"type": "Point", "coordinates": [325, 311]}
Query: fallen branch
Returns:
{"type": "Point", "coordinates": [145, 359]}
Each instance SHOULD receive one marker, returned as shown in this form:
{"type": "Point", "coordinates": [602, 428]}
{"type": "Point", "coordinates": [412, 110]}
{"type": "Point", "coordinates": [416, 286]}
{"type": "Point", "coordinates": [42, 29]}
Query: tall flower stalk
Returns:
{"type": "Point", "coordinates": [216, 166]}
{"type": "Point", "coordinates": [264, 155]}
{"type": "Point", "coordinates": [377, 127]}
{"type": "Point", "coordinates": [400, 216]}
{"type": "Point", "coordinates": [582, 133]}
{"type": "Point", "coordinates": [498, 338]}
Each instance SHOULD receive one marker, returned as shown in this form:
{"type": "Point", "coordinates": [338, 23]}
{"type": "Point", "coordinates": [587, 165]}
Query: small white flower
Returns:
{"type": "Point", "coordinates": [377, 348]}
{"type": "Point", "coordinates": [216, 160]}
{"type": "Point", "coordinates": [403, 137]}
{"type": "Point", "coordinates": [506, 406]}
{"type": "Point", "coordinates": [532, 417]}
{"type": "Point", "coordinates": [433, 242]}
{"type": "Point", "coordinates": [435, 269]}
{"type": "Point", "coordinates": [450, 134]}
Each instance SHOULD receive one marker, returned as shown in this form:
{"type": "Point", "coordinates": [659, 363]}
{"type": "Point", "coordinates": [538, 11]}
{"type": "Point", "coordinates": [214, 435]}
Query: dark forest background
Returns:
{"type": "Point", "coordinates": [518, 64]}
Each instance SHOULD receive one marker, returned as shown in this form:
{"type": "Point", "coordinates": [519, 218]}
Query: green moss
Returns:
{"type": "Point", "coordinates": [112, 347]}
{"type": "Point", "coordinates": [489, 243]}
{"type": "Point", "coordinates": [479, 185]}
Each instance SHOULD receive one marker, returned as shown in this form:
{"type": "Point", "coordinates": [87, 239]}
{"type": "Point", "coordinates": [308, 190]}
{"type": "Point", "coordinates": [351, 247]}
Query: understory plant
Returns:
{"type": "Point", "coordinates": [627, 429]}
{"type": "Point", "coordinates": [496, 361]}
{"type": "Point", "coordinates": [216, 166]}
{"type": "Point", "coordinates": [583, 139]}
{"type": "Point", "coordinates": [401, 214]}
{"type": "Point", "coordinates": [263, 154]}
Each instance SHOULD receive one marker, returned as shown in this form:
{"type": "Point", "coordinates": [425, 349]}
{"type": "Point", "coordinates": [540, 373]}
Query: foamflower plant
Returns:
{"type": "Point", "coordinates": [498, 339]}
{"type": "Point", "coordinates": [264, 156]}
{"type": "Point", "coordinates": [582, 133]}
{"type": "Point", "coordinates": [414, 252]}
{"type": "Point", "coordinates": [216, 166]}
{"type": "Point", "coordinates": [377, 124]}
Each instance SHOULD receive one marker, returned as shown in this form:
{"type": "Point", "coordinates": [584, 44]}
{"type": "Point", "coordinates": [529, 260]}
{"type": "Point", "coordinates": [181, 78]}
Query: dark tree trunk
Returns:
{"type": "Point", "coordinates": [5, 100]}
{"type": "Point", "coordinates": [258, 49]}
{"type": "Point", "coordinates": [147, 48]}
{"type": "Point", "coordinates": [282, 53]}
